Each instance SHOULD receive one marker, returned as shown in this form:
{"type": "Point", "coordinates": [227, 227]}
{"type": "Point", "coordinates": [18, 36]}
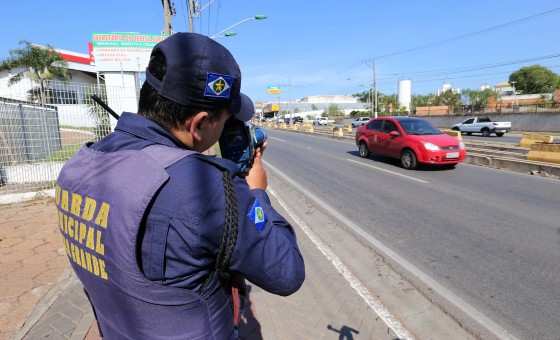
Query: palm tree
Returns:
{"type": "Point", "coordinates": [39, 63]}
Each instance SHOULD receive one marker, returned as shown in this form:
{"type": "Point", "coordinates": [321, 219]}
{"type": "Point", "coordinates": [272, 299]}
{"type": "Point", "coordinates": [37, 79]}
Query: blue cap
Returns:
{"type": "Point", "coordinates": [246, 110]}
{"type": "Point", "coordinates": [200, 73]}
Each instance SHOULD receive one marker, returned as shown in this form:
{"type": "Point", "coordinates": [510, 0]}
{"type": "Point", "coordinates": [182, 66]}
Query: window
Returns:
{"type": "Point", "coordinates": [375, 125]}
{"type": "Point", "coordinates": [484, 120]}
{"type": "Point", "coordinates": [418, 127]}
{"type": "Point", "coordinates": [469, 121]}
{"type": "Point", "coordinates": [389, 126]}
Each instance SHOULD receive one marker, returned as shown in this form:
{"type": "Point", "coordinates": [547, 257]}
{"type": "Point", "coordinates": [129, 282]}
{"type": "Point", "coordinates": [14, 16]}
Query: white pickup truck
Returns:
{"type": "Point", "coordinates": [323, 121]}
{"type": "Point", "coordinates": [482, 125]}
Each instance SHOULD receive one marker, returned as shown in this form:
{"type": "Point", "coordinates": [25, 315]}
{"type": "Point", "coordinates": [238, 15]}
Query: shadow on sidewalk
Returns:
{"type": "Point", "coordinates": [345, 332]}
{"type": "Point", "coordinates": [250, 328]}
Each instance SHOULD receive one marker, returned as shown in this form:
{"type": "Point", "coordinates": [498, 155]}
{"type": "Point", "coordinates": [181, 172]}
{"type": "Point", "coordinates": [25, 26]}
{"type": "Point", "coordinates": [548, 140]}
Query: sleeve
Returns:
{"type": "Point", "coordinates": [266, 251]}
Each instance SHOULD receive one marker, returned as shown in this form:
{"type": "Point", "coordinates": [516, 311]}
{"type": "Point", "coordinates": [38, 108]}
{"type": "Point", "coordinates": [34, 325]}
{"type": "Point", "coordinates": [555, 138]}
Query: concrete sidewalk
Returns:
{"type": "Point", "coordinates": [324, 308]}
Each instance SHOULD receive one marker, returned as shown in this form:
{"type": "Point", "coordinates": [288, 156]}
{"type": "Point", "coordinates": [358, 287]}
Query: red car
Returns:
{"type": "Point", "coordinates": [412, 140]}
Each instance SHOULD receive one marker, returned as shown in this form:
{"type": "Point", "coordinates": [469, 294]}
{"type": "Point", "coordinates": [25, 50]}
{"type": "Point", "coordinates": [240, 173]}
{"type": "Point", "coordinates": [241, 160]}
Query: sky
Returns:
{"type": "Point", "coordinates": [322, 47]}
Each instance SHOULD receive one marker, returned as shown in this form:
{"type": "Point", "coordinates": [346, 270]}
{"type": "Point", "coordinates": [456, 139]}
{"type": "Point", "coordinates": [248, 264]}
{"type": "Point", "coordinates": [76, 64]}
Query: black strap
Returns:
{"type": "Point", "coordinates": [229, 235]}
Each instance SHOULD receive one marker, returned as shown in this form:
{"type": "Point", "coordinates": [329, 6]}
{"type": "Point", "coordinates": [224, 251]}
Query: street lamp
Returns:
{"type": "Point", "coordinates": [226, 32]}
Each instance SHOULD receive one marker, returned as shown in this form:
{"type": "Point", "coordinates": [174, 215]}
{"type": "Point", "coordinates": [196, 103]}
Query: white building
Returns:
{"type": "Point", "coordinates": [68, 96]}
{"type": "Point", "coordinates": [329, 99]}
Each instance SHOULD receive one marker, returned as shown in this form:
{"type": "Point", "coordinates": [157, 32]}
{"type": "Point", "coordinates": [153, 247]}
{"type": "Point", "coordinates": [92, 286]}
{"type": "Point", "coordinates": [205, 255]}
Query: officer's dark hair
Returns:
{"type": "Point", "coordinates": [163, 111]}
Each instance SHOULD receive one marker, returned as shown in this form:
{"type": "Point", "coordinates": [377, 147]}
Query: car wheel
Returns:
{"type": "Point", "coordinates": [363, 149]}
{"type": "Point", "coordinates": [499, 134]}
{"type": "Point", "coordinates": [486, 132]}
{"type": "Point", "coordinates": [469, 133]}
{"type": "Point", "coordinates": [409, 160]}
{"type": "Point", "coordinates": [455, 129]}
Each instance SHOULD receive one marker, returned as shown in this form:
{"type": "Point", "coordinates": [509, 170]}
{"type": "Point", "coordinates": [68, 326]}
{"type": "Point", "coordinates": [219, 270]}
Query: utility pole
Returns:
{"type": "Point", "coordinates": [374, 101]}
{"type": "Point", "coordinates": [191, 8]}
{"type": "Point", "coordinates": [168, 12]}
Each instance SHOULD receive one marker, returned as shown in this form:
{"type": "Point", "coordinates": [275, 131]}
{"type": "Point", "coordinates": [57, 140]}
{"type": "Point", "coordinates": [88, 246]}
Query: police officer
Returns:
{"type": "Point", "coordinates": [148, 220]}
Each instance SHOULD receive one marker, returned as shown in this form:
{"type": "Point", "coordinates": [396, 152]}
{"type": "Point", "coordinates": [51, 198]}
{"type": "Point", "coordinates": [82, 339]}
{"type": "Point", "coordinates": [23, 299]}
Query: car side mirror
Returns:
{"type": "Point", "coordinates": [394, 133]}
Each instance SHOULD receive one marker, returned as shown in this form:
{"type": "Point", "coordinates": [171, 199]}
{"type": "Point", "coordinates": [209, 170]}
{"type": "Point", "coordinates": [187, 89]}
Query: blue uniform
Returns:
{"type": "Point", "coordinates": [184, 224]}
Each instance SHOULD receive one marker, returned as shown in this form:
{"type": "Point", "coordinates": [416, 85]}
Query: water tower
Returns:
{"type": "Point", "coordinates": [405, 94]}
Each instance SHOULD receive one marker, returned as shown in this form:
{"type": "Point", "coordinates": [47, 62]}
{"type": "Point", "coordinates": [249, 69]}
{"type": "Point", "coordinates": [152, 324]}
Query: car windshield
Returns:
{"type": "Point", "coordinates": [419, 127]}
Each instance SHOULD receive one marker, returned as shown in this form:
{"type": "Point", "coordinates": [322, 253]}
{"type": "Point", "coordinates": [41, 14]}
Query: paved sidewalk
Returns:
{"type": "Point", "coordinates": [32, 259]}
{"type": "Point", "coordinates": [326, 307]}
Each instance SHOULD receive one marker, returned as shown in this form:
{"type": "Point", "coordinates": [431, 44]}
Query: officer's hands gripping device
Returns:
{"type": "Point", "coordinates": [240, 141]}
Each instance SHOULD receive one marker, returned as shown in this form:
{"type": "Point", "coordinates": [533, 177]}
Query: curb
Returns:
{"type": "Point", "coordinates": [25, 196]}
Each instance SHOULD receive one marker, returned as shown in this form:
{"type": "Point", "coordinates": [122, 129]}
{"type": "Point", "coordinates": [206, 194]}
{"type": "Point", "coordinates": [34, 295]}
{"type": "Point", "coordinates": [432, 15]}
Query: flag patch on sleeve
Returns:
{"type": "Point", "coordinates": [257, 215]}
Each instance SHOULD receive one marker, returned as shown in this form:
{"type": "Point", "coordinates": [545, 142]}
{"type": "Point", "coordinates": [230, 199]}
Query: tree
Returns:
{"type": "Point", "coordinates": [423, 100]}
{"type": "Point", "coordinates": [450, 99]}
{"type": "Point", "coordinates": [534, 79]}
{"type": "Point", "coordinates": [479, 99]}
{"type": "Point", "coordinates": [41, 64]}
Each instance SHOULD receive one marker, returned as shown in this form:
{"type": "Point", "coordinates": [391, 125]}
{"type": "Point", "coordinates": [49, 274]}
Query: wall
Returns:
{"type": "Point", "coordinates": [537, 121]}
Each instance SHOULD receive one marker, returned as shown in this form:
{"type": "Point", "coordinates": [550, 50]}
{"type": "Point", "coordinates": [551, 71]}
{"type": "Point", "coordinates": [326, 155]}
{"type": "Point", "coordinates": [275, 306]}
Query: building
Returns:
{"type": "Point", "coordinates": [69, 97]}
{"type": "Point", "coordinates": [329, 99]}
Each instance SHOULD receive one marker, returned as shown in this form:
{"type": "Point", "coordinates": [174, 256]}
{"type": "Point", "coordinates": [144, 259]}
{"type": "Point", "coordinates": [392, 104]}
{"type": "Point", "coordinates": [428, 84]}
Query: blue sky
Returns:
{"type": "Point", "coordinates": [318, 47]}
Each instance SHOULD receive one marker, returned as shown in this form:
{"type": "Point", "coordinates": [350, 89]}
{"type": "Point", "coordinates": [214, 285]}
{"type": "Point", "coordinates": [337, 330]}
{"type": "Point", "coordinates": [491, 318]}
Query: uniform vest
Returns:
{"type": "Point", "coordinates": [102, 199]}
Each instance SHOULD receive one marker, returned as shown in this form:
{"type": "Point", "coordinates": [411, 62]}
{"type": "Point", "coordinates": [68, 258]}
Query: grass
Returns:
{"type": "Point", "coordinates": [65, 153]}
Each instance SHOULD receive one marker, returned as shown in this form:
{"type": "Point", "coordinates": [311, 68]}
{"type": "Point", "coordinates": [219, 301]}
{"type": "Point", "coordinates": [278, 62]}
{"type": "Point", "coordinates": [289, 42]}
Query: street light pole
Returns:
{"type": "Point", "coordinates": [226, 32]}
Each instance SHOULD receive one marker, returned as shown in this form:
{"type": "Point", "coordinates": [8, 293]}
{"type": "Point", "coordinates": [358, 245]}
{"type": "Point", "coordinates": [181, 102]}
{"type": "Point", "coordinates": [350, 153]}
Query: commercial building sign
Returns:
{"type": "Point", "coordinates": [129, 52]}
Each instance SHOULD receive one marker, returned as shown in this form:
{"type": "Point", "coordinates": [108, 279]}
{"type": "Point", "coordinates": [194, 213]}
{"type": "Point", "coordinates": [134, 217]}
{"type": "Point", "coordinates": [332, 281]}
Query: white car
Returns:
{"type": "Point", "coordinates": [482, 125]}
{"type": "Point", "coordinates": [360, 121]}
{"type": "Point", "coordinates": [323, 121]}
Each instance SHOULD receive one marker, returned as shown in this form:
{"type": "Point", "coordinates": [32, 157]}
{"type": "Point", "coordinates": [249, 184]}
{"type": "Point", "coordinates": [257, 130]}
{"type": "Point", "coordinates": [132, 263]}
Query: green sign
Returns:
{"type": "Point", "coordinates": [126, 39]}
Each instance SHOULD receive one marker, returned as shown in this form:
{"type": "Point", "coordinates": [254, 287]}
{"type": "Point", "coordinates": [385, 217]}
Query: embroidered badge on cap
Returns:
{"type": "Point", "coordinates": [218, 85]}
{"type": "Point", "coordinates": [256, 214]}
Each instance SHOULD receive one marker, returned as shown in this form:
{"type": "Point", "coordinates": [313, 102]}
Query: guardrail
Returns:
{"type": "Point", "coordinates": [538, 159]}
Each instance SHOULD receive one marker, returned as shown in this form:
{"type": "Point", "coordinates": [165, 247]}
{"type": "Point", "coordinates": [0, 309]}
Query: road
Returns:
{"type": "Point", "coordinates": [491, 237]}
{"type": "Point", "coordinates": [511, 139]}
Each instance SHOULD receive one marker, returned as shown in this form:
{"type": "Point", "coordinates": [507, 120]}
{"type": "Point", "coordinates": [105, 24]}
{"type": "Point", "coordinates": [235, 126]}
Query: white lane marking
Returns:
{"type": "Point", "coordinates": [388, 171]}
{"type": "Point", "coordinates": [278, 139]}
{"type": "Point", "coordinates": [468, 309]}
{"type": "Point", "coordinates": [377, 306]}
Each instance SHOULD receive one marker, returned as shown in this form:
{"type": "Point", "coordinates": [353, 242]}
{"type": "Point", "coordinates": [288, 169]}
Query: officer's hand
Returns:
{"type": "Point", "coordinates": [257, 178]}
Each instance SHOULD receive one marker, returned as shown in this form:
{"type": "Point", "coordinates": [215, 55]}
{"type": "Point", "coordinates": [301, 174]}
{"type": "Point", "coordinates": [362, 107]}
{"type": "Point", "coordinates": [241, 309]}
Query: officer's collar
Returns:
{"type": "Point", "coordinates": [147, 129]}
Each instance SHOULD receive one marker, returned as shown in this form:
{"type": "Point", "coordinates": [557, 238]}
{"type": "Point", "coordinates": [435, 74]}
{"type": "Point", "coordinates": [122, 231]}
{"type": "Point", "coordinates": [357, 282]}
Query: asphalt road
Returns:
{"type": "Point", "coordinates": [512, 139]}
{"type": "Point", "coordinates": [491, 236]}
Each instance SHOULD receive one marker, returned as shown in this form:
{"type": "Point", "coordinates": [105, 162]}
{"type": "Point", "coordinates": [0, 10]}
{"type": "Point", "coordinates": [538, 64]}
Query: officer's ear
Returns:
{"type": "Point", "coordinates": [197, 124]}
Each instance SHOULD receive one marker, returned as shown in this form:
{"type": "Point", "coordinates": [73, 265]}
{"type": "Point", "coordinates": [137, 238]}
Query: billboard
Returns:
{"type": "Point", "coordinates": [274, 90]}
{"type": "Point", "coordinates": [123, 51]}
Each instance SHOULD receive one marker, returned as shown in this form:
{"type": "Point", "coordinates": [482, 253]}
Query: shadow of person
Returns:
{"type": "Point", "coordinates": [249, 327]}
{"type": "Point", "coordinates": [345, 332]}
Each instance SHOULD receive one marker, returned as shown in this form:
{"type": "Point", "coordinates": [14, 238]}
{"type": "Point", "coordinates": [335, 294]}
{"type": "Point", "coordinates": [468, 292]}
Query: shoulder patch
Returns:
{"type": "Point", "coordinates": [257, 216]}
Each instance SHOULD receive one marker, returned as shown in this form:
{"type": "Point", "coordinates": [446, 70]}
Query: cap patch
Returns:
{"type": "Point", "coordinates": [218, 85]}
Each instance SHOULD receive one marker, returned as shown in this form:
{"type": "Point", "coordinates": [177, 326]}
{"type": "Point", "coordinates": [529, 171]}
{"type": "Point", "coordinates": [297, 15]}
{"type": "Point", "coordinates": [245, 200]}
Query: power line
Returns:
{"type": "Point", "coordinates": [463, 69]}
{"type": "Point", "coordinates": [466, 35]}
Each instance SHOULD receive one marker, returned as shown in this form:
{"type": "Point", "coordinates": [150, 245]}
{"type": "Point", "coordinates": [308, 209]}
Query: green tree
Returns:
{"type": "Point", "coordinates": [534, 79]}
{"type": "Point", "coordinates": [479, 99]}
{"type": "Point", "coordinates": [423, 100]}
{"type": "Point", "coordinates": [363, 97]}
{"type": "Point", "coordinates": [450, 99]}
{"type": "Point", "coordinates": [39, 63]}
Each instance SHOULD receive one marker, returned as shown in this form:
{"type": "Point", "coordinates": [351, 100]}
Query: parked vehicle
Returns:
{"type": "Point", "coordinates": [323, 121]}
{"type": "Point", "coordinates": [360, 121]}
{"type": "Point", "coordinates": [483, 125]}
{"type": "Point", "coordinates": [412, 140]}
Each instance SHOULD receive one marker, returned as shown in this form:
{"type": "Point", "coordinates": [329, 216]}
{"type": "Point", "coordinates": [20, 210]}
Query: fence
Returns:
{"type": "Point", "coordinates": [43, 126]}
